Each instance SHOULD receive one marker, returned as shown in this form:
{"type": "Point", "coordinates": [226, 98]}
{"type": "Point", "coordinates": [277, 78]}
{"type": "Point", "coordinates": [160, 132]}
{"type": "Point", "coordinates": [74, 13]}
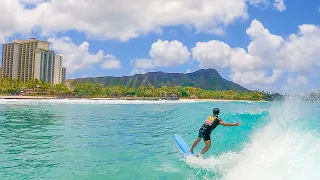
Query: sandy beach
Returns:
{"type": "Point", "coordinates": [125, 98]}
{"type": "Point", "coordinates": [27, 97]}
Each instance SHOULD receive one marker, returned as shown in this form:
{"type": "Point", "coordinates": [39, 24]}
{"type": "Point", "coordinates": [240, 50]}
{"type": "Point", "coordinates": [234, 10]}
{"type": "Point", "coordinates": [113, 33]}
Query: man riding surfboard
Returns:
{"type": "Point", "coordinates": [205, 130]}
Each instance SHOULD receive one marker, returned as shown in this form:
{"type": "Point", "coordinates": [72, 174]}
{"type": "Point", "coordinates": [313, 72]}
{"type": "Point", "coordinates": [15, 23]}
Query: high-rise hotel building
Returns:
{"type": "Point", "coordinates": [10, 60]}
{"type": "Point", "coordinates": [63, 75]}
{"type": "Point", "coordinates": [31, 59]}
{"type": "Point", "coordinates": [58, 76]}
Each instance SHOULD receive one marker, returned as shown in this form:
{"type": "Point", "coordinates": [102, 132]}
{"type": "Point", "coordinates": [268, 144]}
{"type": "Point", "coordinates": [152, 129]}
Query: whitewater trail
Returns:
{"type": "Point", "coordinates": [280, 150]}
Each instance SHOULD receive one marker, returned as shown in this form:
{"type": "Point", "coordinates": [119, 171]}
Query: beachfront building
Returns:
{"type": "Point", "coordinates": [27, 58]}
{"type": "Point", "coordinates": [31, 59]}
{"type": "Point", "coordinates": [44, 66]}
{"type": "Point", "coordinates": [58, 69]}
{"type": "Point", "coordinates": [10, 60]}
{"type": "Point", "coordinates": [49, 67]}
{"type": "Point", "coordinates": [63, 79]}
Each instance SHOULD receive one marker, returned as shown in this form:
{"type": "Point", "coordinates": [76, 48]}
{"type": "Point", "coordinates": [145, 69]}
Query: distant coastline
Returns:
{"type": "Point", "coordinates": [19, 97]}
{"type": "Point", "coordinates": [26, 97]}
{"type": "Point", "coordinates": [37, 89]}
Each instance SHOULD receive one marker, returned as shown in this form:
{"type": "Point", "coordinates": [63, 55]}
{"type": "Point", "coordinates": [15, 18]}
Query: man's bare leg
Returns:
{"type": "Point", "coordinates": [195, 144]}
{"type": "Point", "coordinates": [205, 149]}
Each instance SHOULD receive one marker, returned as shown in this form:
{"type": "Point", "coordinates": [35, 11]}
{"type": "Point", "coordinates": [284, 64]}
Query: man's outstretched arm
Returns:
{"type": "Point", "coordinates": [230, 124]}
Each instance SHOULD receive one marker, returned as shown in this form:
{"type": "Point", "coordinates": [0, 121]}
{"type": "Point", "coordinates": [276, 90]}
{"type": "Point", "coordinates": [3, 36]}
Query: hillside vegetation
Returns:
{"type": "Point", "coordinates": [208, 79]}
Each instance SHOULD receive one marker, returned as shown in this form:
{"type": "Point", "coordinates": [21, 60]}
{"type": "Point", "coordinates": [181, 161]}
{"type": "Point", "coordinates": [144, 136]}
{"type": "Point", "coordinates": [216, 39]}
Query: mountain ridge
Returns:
{"type": "Point", "coordinates": [208, 79]}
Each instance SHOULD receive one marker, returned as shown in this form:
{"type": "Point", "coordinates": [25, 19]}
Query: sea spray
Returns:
{"type": "Point", "coordinates": [285, 148]}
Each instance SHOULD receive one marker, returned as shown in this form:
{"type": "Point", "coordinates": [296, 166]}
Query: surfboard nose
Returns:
{"type": "Point", "coordinates": [184, 147]}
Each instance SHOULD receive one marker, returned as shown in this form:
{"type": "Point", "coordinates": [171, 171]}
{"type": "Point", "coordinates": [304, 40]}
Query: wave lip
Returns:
{"type": "Point", "coordinates": [287, 147]}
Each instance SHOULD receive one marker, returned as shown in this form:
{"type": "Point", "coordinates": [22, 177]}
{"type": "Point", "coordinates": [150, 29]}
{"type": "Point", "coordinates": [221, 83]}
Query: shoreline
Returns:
{"type": "Point", "coordinates": [18, 97]}
{"type": "Point", "coordinates": [27, 97]}
{"type": "Point", "coordinates": [220, 100]}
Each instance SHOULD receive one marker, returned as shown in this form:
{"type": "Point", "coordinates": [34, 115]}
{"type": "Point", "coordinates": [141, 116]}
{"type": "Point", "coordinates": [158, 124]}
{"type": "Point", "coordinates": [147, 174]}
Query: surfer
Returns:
{"type": "Point", "coordinates": [208, 126]}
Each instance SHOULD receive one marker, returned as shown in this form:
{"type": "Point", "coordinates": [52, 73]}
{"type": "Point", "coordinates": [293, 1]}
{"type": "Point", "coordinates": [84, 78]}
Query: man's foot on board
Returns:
{"type": "Point", "coordinates": [191, 151]}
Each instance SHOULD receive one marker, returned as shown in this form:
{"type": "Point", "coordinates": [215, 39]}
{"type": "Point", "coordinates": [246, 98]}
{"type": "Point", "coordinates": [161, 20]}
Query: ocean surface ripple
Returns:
{"type": "Point", "coordinates": [86, 139]}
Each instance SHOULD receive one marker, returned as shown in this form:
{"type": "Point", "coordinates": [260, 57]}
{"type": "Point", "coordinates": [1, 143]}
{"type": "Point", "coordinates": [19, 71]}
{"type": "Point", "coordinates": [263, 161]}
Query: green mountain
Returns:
{"type": "Point", "coordinates": [208, 79]}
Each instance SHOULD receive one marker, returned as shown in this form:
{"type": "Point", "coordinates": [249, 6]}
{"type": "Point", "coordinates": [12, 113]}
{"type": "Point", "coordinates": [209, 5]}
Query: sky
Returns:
{"type": "Point", "coordinates": [270, 45]}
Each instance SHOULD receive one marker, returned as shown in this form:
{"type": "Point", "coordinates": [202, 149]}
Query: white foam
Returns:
{"type": "Point", "coordinates": [168, 167]}
{"type": "Point", "coordinates": [273, 154]}
{"type": "Point", "coordinates": [278, 151]}
{"type": "Point", "coordinates": [87, 101]}
{"type": "Point", "coordinates": [287, 155]}
{"type": "Point", "coordinates": [225, 161]}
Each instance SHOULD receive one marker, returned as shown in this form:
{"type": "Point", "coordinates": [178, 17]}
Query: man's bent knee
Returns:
{"type": "Point", "coordinates": [208, 144]}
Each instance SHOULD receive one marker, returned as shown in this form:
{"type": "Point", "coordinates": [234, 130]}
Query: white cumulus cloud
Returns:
{"type": "Point", "coordinates": [277, 4]}
{"type": "Point", "coordinates": [111, 62]}
{"type": "Point", "coordinates": [140, 65]}
{"type": "Point", "coordinates": [212, 54]}
{"type": "Point", "coordinates": [117, 19]}
{"type": "Point", "coordinates": [78, 57]}
{"type": "Point", "coordinates": [300, 52]}
{"type": "Point", "coordinates": [256, 77]}
{"type": "Point", "coordinates": [268, 56]}
{"type": "Point", "coordinates": [297, 81]}
{"type": "Point", "coordinates": [14, 19]}
{"type": "Point", "coordinates": [120, 19]}
{"type": "Point", "coordinates": [163, 54]}
{"type": "Point", "coordinates": [143, 63]}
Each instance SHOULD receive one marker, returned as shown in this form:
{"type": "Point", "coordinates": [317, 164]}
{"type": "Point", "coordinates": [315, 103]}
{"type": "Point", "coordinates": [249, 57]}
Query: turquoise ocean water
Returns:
{"type": "Point", "coordinates": [85, 139]}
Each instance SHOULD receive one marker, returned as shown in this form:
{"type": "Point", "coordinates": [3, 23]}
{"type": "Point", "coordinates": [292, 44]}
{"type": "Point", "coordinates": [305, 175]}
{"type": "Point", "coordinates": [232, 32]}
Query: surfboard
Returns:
{"type": "Point", "coordinates": [184, 147]}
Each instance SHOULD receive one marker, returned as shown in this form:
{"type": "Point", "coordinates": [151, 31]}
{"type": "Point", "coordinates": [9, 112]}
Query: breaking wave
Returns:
{"type": "Point", "coordinates": [287, 147]}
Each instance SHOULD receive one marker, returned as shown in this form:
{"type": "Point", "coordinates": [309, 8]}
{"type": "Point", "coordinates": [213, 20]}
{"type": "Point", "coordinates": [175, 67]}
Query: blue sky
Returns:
{"type": "Point", "coordinates": [124, 35]}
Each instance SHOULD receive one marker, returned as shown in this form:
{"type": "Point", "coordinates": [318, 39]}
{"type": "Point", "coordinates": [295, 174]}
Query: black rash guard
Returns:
{"type": "Point", "coordinates": [208, 126]}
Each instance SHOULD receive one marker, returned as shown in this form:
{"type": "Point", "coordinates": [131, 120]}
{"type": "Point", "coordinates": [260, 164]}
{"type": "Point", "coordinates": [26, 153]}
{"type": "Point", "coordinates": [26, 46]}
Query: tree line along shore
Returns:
{"type": "Point", "coordinates": [9, 87]}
